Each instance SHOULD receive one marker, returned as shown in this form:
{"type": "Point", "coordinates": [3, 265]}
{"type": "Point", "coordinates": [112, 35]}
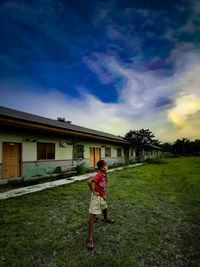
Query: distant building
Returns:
{"type": "Point", "coordinates": [149, 151]}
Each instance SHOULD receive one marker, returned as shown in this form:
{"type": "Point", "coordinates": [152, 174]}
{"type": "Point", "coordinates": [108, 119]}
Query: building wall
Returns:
{"type": "Point", "coordinates": [144, 154]}
{"type": "Point", "coordinates": [151, 154]}
{"type": "Point", "coordinates": [110, 160]}
{"type": "Point", "coordinates": [63, 156]}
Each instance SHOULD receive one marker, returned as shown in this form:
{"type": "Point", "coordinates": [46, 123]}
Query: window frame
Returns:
{"type": "Point", "coordinates": [77, 157]}
{"type": "Point", "coordinates": [109, 152]}
{"type": "Point", "coordinates": [119, 150]}
{"type": "Point", "coordinates": [46, 151]}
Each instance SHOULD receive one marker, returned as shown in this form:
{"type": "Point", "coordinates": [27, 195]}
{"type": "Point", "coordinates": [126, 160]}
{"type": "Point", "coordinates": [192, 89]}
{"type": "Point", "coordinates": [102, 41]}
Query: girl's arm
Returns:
{"type": "Point", "coordinates": [90, 181]}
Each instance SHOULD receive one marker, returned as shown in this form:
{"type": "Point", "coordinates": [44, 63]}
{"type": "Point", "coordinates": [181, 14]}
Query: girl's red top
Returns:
{"type": "Point", "coordinates": [101, 180]}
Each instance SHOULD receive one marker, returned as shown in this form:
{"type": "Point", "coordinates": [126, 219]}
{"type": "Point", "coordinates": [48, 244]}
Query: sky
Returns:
{"type": "Point", "coordinates": [112, 66]}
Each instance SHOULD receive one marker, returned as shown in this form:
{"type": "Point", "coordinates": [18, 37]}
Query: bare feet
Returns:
{"type": "Point", "coordinates": [109, 220]}
{"type": "Point", "coordinates": [90, 244]}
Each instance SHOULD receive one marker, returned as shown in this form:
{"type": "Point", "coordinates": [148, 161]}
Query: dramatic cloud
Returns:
{"type": "Point", "coordinates": [107, 65]}
{"type": "Point", "coordinates": [185, 106]}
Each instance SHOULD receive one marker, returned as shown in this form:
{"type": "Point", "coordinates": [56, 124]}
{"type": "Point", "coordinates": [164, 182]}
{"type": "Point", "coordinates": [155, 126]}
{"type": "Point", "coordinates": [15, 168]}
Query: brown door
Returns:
{"type": "Point", "coordinates": [11, 160]}
{"type": "Point", "coordinates": [98, 154]}
{"type": "Point", "coordinates": [92, 157]}
{"type": "Point", "coordinates": [126, 154]}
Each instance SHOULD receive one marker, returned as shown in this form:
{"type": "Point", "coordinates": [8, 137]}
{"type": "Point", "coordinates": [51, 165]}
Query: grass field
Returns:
{"type": "Point", "coordinates": [157, 213]}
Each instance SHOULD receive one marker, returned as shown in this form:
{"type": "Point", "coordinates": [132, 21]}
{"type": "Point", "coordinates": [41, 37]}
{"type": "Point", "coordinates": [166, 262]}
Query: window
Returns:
{"type": "Point", "coordinates": [78, 152]}
{"type": "Point", "coordinates": [45, 151]}
{"type": "Point", "coordinates": [119, 152]}
{"type": "Point", "coordinates": [108, 152]}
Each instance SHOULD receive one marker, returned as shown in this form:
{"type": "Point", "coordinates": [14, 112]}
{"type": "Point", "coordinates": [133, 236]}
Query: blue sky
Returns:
{"type": "Point", "coordinates": [109, 65]}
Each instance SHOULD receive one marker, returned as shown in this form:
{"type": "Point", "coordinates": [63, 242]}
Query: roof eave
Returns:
{"type": "Point", "coordinates": [35, 125]}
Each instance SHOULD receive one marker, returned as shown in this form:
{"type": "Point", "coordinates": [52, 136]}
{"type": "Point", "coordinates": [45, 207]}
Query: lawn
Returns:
{"type": "Point", "coordinates": [157, 213]}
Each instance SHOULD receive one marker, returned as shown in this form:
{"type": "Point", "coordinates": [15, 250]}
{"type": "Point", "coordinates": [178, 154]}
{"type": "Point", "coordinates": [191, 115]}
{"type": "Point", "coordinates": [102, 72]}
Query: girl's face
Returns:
{"type": "Point", "coordinates": [104, 168]}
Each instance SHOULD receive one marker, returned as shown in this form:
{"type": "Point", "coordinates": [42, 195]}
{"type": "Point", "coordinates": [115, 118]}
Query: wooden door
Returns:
{"type": "Point", "coordinates": [11, 160]}
{"type": "Point", "coordinates": [92, 157]}
{"type": "Point", "coordinates": [97, 154]}
{"type": "Point", "coordinates": [126, 154]}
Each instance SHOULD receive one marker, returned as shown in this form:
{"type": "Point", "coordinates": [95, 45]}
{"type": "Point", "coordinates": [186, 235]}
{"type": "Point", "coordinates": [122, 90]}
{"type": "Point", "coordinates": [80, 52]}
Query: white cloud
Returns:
{"type": "Point", "coordinates": [142, 95]}
{"type": "Point", "coordinates": [185, 114]}
{"type": "Point", "coordinates": [137, 103]}
{"type": "Point", "coordinates": [135, 110]}
{"type": "Point", "coordinates": [151, 99]}
{"type": "Point", "coordinates": [88, 112]}
{"type": "Point", "coordinates": [186, 105]}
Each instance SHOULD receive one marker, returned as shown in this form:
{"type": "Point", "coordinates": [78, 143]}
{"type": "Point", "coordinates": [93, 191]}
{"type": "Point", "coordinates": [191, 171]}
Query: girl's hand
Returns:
{"type": "Point", "coordinates": [105, 198]}
{"type": "Point", "coordinates": [96, 193]}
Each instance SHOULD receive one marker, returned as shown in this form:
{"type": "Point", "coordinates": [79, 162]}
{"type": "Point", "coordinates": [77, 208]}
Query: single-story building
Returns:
{"type": "Point", "coordinates": [149, 151]}
{"type": "Point", "coordinates": [32, 145]}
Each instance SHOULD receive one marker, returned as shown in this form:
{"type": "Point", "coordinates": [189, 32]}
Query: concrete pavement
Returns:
{"type": "Point", "coordinates": [39, 187]}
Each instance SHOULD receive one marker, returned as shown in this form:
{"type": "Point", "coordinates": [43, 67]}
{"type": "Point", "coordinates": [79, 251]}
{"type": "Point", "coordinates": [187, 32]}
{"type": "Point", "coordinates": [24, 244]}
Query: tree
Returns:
{"type": "Point", "coordinates": [197, 146]}
{"type": "Point", "coordinates": [141, 139]}
{"type": "Point", "coordinates": [181, 146]}
{"type": "Point", "coordinates": [167, 147]}
{"type": "Point", "coordinates": [156, 142]}
{"type": "Point", "coordinates": [63, 120]}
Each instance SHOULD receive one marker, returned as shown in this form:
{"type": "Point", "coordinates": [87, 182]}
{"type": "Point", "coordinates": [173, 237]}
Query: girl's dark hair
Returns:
{"type": "Point", "coordinates": [101, 163]}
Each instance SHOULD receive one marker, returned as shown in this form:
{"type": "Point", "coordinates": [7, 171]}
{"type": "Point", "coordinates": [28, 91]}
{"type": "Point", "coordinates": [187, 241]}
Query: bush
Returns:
{"type": "Point", "coordinates": [167, 155]}
{"type": "Point", "coordinates": [177, 155]}
{"type": "Point", "coordinates": [115, 165]}
{"type": "Point", "coordinates": [130, 162]}
{"type": "Point", "coordinates": [140, 159]}
{"type": "Point", "coordinates": [156, 160]}
{"type": "Point", "coordinates": [81, 169]}
{"type": "Point", "coordinates": [122, 164]}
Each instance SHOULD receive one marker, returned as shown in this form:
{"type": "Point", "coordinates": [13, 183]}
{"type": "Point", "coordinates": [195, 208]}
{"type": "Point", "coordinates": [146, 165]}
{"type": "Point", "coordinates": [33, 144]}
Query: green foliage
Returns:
{"type": "Point", "coordinates": [63, 119]}
{"type": "Point", "coordinates": [116, 165]}
{"type": "Point", "coordinates": [156, 160]}
{"type": "Point", "coordinates": [20, 183]}
{"type": "Point", "coordinates": [140, 159]}
{"type": "Point", "coordinates": [141, 138]}
{"type": "Point", "coordinates": [81, 169]}
{"type": "Point", "coordinates": [156, 211]}
{"type": "Point", "coordinates": [167, 155]}
{"type": "Point", "coordinates": [130, 162]}
{"type": "Point", "coordinates": [182, 147]}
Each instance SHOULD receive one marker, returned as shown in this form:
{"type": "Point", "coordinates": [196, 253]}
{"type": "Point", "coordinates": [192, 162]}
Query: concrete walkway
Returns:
{"type": "Point", "coordinates": [39, 187]}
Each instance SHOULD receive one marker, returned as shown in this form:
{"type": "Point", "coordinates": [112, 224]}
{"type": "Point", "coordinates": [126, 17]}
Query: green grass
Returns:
{"type": "Point", "coordinates": [157, 213]}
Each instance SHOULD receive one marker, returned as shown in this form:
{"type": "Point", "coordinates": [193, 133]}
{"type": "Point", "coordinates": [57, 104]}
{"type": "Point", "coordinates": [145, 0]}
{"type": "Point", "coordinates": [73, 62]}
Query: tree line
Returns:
{"type": "Point", "coordinates": [145, 139]}
{"type": "Point", "coordinates": [182, 146]}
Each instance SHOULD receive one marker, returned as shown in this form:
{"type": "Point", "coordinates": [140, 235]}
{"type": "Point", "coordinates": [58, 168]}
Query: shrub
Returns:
{"type": "Point", "coordinates": [81, 169]}
{"type": "Point", "coordinates": [130, 162]}
{"type": "Point", "coordinates": [115, 165]}
{"type": "Point", "coordinates": [167, 155]}
{"type": "Point", "coordinates": [156, 160]}
{"type": "Point", "coordinates": [140, 159]}
{"type": "Point", "coordinates": [177, 155]}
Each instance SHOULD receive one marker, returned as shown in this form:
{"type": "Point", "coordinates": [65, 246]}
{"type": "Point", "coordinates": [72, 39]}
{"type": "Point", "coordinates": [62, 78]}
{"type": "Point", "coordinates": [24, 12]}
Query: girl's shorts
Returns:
{"type": "Point", "coordinates": [97, 204]}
